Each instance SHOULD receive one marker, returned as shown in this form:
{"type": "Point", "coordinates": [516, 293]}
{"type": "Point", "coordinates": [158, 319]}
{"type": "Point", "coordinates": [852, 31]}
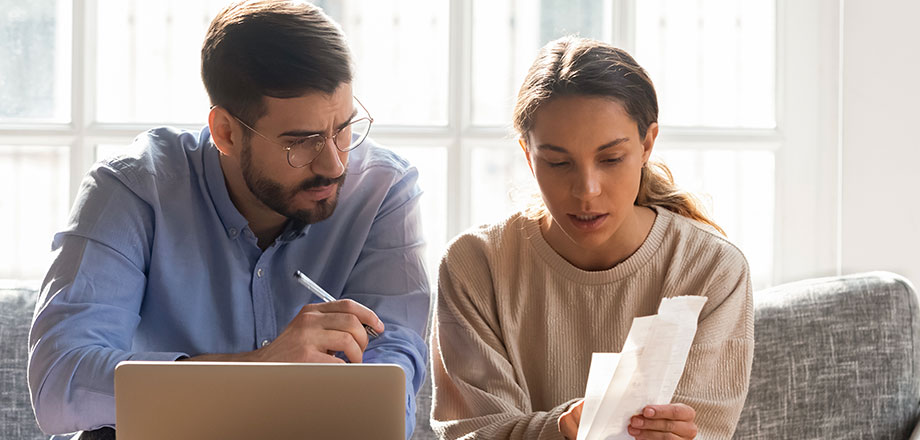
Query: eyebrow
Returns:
{"type": "Point", "coordinates": [559, 149]}
{"type": "Point", "coordinates": [305, 133]}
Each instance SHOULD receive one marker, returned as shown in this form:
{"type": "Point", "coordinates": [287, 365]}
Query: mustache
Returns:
{"type": "Point", "coordinates": [320, 181]}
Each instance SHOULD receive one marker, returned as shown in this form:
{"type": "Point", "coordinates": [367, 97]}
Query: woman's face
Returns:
{"type": "Point", "coordinates": [587, 157]}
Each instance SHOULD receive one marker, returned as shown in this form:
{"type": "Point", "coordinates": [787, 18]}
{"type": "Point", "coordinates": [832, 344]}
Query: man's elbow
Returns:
{"type": "Point", "coordinates": [52, 415]}
{"type": "Point", "coordinates": [55, 409]}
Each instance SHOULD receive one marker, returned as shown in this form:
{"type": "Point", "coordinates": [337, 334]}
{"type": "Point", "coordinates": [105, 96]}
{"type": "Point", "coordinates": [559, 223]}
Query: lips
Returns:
{"type": "Point", "coordinates": [320, 193]}
{"type": "Point", "coordinates": [588, 221]}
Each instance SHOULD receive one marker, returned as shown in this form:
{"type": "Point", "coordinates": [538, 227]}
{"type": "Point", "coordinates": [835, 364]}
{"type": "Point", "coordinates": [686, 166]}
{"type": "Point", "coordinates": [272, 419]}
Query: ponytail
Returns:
{"type": "Point", "coordinates": [657, 188]}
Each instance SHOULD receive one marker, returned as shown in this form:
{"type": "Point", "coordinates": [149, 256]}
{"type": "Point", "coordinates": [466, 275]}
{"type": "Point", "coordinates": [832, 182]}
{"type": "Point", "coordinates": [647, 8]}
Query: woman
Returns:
{"type": "Point", "coordinates": [523, 304]}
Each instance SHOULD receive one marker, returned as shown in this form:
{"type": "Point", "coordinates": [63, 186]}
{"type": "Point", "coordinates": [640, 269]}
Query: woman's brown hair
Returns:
{"type": "Point", "coordinates": [580, 66]}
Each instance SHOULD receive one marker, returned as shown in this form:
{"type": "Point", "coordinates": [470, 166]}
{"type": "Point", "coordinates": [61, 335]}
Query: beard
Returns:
{"type": "Point", "coordinates": [277, 198]}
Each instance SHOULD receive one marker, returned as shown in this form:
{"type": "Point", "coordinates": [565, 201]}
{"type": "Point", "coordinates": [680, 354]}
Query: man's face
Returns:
{"type": "Point", "coordinates": [308, 194]}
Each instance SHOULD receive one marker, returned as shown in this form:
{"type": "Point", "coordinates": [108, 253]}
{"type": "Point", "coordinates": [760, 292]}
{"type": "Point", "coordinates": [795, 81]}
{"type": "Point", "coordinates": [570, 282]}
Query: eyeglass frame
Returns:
{"type": "Point", "coordinates": [289, 148]}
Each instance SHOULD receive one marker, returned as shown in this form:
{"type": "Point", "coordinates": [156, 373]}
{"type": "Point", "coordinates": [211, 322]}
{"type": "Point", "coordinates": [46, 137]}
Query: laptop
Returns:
{"type": "Point", "coordinates": [224, 400]}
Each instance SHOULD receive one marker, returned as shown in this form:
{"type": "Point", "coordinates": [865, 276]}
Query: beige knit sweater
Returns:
{"type": "Point", "coordinates": [515, 326]}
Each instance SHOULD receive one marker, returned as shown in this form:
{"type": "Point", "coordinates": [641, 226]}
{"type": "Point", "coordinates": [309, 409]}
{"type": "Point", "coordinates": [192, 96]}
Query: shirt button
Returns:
{"type": "Point", "coordinates": [233, 232]}
{"type": "Point", "coordinates": [259, 273]}
{"type": "Point", "coordinates": [265, 342]}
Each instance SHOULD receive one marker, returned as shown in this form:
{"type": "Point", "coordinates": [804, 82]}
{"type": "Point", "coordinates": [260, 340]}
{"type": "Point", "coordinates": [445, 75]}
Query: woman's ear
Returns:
{"type": "Point", "coordinates": [649, 142]}
{"type": "Point", "coordinates": [222, 126]}
{"type": "Point", "coordinates": [523, 143]}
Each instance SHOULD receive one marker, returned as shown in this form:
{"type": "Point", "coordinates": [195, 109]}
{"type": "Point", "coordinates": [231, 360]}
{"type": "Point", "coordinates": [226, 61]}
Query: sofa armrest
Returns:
{"type": "Point", "coordinates": [835, 358]}
{"type": "Point", "coordinates": [16, 417]}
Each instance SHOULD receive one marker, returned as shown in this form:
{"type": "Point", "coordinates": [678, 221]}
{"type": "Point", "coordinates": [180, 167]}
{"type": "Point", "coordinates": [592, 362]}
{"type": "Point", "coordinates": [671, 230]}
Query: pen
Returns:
{"type": "Point", "coordinates": [325, 296]}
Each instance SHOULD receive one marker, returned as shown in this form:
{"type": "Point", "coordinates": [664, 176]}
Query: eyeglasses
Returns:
{"type": "Point", "coordinates": [302, 151]}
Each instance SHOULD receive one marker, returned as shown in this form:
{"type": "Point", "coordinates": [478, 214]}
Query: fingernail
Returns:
{"type": "Point", "coordinates": [638, 422]}
{"type": "Point", "coordinates": [649, 412]}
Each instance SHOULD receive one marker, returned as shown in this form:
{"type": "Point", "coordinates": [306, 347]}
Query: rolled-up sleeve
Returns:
{"type": "Point", "coordinates": [88, 308]}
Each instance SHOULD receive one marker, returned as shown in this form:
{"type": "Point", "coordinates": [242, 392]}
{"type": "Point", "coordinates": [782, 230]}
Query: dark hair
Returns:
{"type": "Point", "coordinates": [281, 49]}
{"type": "Point", "coordinates": [580, 66]}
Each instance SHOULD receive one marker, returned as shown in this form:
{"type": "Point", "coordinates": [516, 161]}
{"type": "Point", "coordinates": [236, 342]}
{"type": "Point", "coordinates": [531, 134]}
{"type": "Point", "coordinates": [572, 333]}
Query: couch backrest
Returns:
{"type": "Point", "coordinates": [835, 358]}
{"type": "Point", "coordinates": [16, 418]}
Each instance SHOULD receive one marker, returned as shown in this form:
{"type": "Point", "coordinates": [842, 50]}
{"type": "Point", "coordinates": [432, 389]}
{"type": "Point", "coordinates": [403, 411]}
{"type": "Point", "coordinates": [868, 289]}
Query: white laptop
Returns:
{"type": "Point", "coordinates": [223, 400]}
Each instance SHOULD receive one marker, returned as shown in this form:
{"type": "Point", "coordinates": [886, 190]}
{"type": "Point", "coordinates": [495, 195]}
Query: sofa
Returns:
{"type": "Point", "coordinates": [835, 358]}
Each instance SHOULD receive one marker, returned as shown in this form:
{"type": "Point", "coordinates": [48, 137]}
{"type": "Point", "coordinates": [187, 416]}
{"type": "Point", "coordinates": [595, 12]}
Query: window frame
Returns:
{"type": "Point", "coordinates": [805, 140]}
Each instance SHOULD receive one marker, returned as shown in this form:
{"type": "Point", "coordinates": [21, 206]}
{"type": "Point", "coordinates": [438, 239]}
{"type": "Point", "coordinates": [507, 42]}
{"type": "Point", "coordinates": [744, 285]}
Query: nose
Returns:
{"type": "Point", "coordinates": [587, 184]}
{"type": "Point", "coordinates": [330, 162]}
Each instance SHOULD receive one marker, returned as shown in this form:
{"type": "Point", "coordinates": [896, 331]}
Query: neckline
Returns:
{"type": "Point", "coordinates": [621, 270]}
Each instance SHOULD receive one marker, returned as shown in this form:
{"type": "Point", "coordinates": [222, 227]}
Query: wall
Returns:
{"type": "Point", "coordinates": [880, 197]}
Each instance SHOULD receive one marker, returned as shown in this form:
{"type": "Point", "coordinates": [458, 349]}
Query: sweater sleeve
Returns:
{"type": "Point", "coordinates": [476, 394]}
{"type": "Point", "coordinates": [718, 369]}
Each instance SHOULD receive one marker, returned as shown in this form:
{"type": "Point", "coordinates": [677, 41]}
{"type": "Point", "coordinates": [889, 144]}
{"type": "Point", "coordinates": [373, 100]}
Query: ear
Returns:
{"type": "Point", "coordinates": [649, 142]}
{"type": "Point", "coordinates": [523, 143]}
{"type": "Point", "coordinates": [224, 130]}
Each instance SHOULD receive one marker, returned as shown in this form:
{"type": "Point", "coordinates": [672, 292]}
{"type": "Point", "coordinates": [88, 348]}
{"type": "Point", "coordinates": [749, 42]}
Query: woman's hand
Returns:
{"type": "Point", "coordinates": [672, 422]}
{"type": "Point", "coordinates": [568, 421]}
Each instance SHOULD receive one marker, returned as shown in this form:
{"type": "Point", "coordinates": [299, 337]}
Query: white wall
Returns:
{"type": "Point", "coordinates": [880, 203]}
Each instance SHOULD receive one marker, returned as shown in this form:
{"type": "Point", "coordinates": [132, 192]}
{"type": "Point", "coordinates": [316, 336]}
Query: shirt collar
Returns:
{"type": "Point", "coordinates": [233, 222]}
{"type": "Point", "coordinates": [294, 229]}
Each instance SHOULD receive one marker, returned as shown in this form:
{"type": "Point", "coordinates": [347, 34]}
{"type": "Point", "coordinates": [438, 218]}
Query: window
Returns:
{"type": "Point", "coordinates": [83, 78]}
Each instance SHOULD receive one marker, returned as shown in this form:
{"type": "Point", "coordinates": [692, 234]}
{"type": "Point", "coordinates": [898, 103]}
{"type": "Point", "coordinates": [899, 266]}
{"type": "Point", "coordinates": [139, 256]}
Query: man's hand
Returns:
{"type": "Point", "coordinates": [315, 334]}
{"type": "Point", "coordinates": [569, 420]}
{"type": "Point", "coordinates": [674, 421]}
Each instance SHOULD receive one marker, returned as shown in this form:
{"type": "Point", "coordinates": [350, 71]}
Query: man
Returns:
{"type": "Point", "coordinates": [186, 249]}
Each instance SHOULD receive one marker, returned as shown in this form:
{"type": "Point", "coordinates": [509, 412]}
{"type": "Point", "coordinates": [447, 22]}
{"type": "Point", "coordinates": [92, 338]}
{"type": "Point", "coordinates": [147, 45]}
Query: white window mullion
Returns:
{"type": "Point", "coordinates": [807, 178]}
{"type": "Point", "coordinates": [622, 23]}
{"type": "Point", "coordinates": [458, 176]}
{"type": "Point", "coordinates": [82, 90]}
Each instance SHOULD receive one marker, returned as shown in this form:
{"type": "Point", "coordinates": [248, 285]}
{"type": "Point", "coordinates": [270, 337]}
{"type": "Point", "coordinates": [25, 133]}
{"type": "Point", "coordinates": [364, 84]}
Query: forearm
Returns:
{"type": "Point", "coordinates": [76, 390]}
{"type": "Point", "coordinates": [505, 425]}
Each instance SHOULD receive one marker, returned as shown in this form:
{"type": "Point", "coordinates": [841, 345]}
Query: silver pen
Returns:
{"type": "Point", "coordinates": [325, 296]}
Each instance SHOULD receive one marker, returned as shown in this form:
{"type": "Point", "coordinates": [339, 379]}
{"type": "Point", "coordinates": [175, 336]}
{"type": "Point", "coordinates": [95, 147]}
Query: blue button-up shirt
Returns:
{"type": "Point", "coordinates": [157, 263]}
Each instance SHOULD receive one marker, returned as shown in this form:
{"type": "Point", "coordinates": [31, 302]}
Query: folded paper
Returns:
{"type": "Point", "coordinates": [645, 372]}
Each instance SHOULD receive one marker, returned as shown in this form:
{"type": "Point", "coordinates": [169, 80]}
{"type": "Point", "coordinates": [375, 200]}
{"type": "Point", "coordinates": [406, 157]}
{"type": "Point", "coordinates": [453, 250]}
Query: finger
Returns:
{"type": "Point", "coordinates": [336, 341]}
{"type": "Point", "coordinates": [323, 358]}
{"type": "Point", "coordinates": [567, 425]}
{"type": "Point", "coordinates": [651, 435]}
{"type": "Point", "coordinates": [680, 428]}
{"type": "Point", "coordinates": [576, 411]}
{"type": "Point", "coordinates": [673, 411]}
{"type": "Point", "coordinates": [346, 322]}
{"type": "Point", "coordinates": [364, 314]}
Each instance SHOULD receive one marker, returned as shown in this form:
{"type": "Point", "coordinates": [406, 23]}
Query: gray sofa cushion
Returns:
{"type": "Point", "coordinates": [423, 413]}
{"type": "Point", "coordinates": [834, 358]}
{"type": "Point", "coordinates": [16, 418]}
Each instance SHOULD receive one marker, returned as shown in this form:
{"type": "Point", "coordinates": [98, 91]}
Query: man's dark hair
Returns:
{"type": "Point", "coordinates": [281, 49]}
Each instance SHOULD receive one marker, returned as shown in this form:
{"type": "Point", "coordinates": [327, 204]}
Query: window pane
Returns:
{"type": "Point", "coordinates": [506, 37]}
{"type": "Point", "coordinates": [502, 183]}
{"type": "Point", "coordinates": [737, 189]}
{"type": "Point", "coordinates": [35, 48]}
{"type": "Point", "coordinates": [400, 49]}
{"type": "Point", "coordinates": [149, 60]}
{"type": "Point", "coordinates": [431, 163]}
{"type": "Point", "coordinates": [713, 61]}
{"type": "Point", "coordinates": [34, 201]}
